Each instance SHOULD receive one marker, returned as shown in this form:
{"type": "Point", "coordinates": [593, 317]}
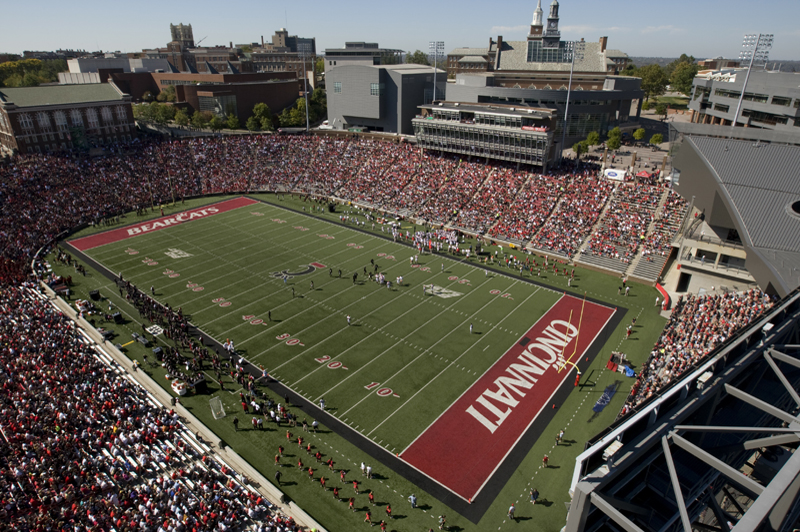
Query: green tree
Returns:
{"type": "Point", "coordinates": [615, 133]}
{"type": "Point", "coordinates": [199, 120]}
{"type": "Point", "coordinates": [579, 148]}
{"type": "Point", "coordinates": [645, 105]}
{"type": "Point", "coordinates": [639, 134]}
{"type": "Point", "coordinates": [418, 58]}
{"type": "Point", "coordinates": [613, 143]}
{"type": "Point", "coordinates": [181, 118]}
{"type": "Point", "coordinates": [252, 124]}
{"type": "Point", "coordinates": [661, 109]}
{"type": "Point", "coordinates": [593, 138]}
{"type": "Point", "coordinates": [654, 80]}
{"type": "Point", "coordinates": [30, 72]}
{"type": "Point", "coordinates": [232, 122]}
{"type": "Point", "coordinates": [216, 123]}
{"type": "Point", "coordinates": [167, 95]}
{"type": "Point", "coordinates": [262, 113]}
{"type": "Point", "coordinates": [683, 76]}
{"type": "Point", "coordinates": [656, 139]}
{"type": "Point", "coordinates": [161, 113]}
{"type": "Point", "coordinates": [630, 70]}
{"type": "Point", "coordinates": [682, 60]}
{"type": "Point", "coordinates": [319, 66]}
{"type": "Point", "coordinates": [148, 96]}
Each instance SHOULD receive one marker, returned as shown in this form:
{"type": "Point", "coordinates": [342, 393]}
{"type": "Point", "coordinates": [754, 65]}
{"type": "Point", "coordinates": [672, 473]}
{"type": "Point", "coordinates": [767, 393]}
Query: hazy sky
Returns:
{"type": "Point", "coordinates": [703, 28]}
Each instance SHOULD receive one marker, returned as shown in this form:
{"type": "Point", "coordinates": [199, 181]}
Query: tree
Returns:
{"type": "Point", "coordinates": [613, 143]}
{"type": "Point", "coordinates": [216, 123]}
{"type": "Point", "coordinates": [615, 133]}
{"type": "Point", "coordinates": [656, 139]}
{"type": "Point", "coordinates": [645, 105]}
{"type": "Point", "coordinates": [654, 80]}
{"type": "Point", "coordinates": [161, 113]}
{"type": "Point", "coordinates": [630, 70]}
{"type": "Point", "coordinates": [593, 138]}
{"type": "Point", "coordinates": [682, 60]}
{"type": "Point", "coordinates": [319, 66]}
{"type": "Point", "coordinates": [181, 118]}
{"type": "Point", "coordinates": [167, 95]}
{"type": "Point", "coordinates": [262, 113]}
{"type": "Point", "coordinates": [683, 76]}
{"type": "Point", "coordinates": [579, 148]}
{"type": "Point", "coordinates": [252, 124]}
{"type": "Point", "coordinates": [639, 134]}
{"type": "Point", "coordinates": [418, 58]}
{"type": "Point", "coordinates": [232, 121]}
{"type": "Point", "coordinates": [661, 109]}
{"type": "Point", "coordinates": [148, 96]}
{"type": "Point", "coordinates": [199, 120]}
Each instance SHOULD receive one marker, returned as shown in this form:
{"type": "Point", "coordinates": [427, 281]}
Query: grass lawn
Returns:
{"type": "Point", "coordinates": [254, 268]}
{"type": "Point", "coordinates": [675, 102]}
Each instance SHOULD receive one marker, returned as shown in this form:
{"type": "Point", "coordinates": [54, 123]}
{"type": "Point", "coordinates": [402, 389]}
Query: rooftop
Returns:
{"type": "Point", "coordinates": [496, 109]}
{"type": "Point", "coordinates": [59, 94]}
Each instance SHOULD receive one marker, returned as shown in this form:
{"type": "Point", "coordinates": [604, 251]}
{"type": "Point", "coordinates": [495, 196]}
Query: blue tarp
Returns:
{"type": "Point", "coordinates": [608, 393]}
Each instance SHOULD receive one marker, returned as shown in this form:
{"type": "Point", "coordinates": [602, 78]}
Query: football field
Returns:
{"type": "Point", "coordinates": [447, 361]}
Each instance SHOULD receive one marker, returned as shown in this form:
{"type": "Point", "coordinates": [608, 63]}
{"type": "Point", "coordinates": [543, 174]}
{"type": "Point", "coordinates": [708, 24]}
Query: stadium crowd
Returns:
{"type": "Point", "coordinates": [84, 448]}
{"type": "Point", "coordinates": [697, 325]}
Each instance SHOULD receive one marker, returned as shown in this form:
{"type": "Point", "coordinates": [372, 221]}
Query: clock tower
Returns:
{"type": "Point", "coordinates": [537, 27]}
{"type": "Point", "coordinates": [551, 34]}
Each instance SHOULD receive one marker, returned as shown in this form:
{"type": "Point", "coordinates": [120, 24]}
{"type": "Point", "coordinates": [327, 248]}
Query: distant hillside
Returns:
{"type": "Point", "coordinates": [783, 66]}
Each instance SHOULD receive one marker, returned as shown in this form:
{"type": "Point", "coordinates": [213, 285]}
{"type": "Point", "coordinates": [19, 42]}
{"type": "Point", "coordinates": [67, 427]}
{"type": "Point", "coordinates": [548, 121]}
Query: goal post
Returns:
{"type": "Point", "coordinates": [217, 410]}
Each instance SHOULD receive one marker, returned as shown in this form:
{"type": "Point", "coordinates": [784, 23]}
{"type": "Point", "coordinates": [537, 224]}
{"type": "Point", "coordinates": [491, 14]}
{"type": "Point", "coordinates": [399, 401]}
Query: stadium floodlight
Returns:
{"type": "Point", "coordinates": [754, 47]}
{"type": "Point", "coordinates": [572, 50]}
{"type": "Point", "coordinates": [436, 49]}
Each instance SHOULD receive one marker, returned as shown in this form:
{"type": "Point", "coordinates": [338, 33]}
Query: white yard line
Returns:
{"type": "Point", "coordinates": [448, 367]}
{"type": "Point", "coordinates": [427, 349]}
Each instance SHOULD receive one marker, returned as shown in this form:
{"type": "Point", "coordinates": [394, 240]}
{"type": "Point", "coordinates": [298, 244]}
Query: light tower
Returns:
{"type": "Point", "coordinates": [436, 49]}
{"type": "Point", "coordinates": [753, 47]}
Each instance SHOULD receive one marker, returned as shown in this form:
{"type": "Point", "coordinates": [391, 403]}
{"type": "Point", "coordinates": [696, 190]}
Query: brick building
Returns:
{"type": "Point", "coordinates": [60, 117]}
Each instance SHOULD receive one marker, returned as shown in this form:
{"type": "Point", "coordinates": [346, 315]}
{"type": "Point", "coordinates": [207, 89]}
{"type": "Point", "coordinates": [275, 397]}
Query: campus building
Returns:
{"type": "Point", "coordinates": [501, 132]}
{"type": "Point", "coordinates": [361, 53]}
{"type": "Point", "coordinates": [771, 101]}
{"type": "Point", "coordinates": [378, 97]}
{"type": "Point", "coordinates": [60, 117]}
{"type": "Point", "coordinates": [536, 73]}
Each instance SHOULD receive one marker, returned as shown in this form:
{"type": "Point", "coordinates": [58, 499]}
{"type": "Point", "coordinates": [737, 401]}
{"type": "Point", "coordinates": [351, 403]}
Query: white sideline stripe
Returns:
{"type": "Point", "coordinates": [492, 300]}
{"type": "Point", "coordinates": [448, 367]}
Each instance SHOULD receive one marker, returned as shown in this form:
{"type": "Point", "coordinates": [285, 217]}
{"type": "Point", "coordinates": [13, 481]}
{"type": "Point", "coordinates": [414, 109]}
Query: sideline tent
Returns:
{"type": "Point", "coordinates": [643, 174]}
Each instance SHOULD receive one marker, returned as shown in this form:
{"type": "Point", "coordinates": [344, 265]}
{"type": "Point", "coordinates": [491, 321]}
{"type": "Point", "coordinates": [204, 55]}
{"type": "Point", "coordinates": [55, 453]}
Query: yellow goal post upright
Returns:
{"type": "Point", "coordinates": [577, 339]}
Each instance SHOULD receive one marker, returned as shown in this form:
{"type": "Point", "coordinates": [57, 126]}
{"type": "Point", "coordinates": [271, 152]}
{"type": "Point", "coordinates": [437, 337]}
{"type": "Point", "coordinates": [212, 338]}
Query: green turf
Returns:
{"type": "Point", "coordinates": [400, 339]}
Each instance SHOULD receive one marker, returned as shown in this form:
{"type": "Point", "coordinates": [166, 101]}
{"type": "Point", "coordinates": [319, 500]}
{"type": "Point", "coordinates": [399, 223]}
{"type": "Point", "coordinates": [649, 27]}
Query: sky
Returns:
{"type": "Point", "coordinates": [702, 28]}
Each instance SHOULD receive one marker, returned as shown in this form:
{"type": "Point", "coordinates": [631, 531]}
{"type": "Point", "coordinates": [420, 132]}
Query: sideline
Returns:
{"type": "Point", "coordinates": [226, 454]}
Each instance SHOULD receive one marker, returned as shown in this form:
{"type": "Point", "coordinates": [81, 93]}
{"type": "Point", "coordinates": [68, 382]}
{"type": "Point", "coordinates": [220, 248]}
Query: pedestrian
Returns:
{"type": "Point", "coordinates": [368, 518]}
{"type": "Point", "coordinates": [315, 424]}
{"type": "Point", "coordinates": [352, 502]}
{"type": "Point", "coordinates": [443, 267]}
{"type": "Point", "coordinates": [534, 495]}
{"type": "Point", "coordinates": [312, 286]}
{"type": "Point", "coordinates": [511, 510]}
{"type": "Point", "coordinates": [293, 292]}
{"type": "Point", "coordinates": [627, 289]}
{"type": "Point", "coordinates": [336, 493]}
{"type": "Point", "coordinates": [369, 471]}
{"type": "Point", "coordinates": [545, 460]}
{"type": "Point", "coordinates": [363, 469]}
{"type": "Point", "coordinates": [559, 435]}
{"type": "Point", "coordinates": [388, 511]}
{"type": "Point", "coordinates": [342, 474]}
{"type": "Point", "coordinates": [355, 486]}
{"type": "Point", "coordinates": [657, 300]}
{"type": "Point", "coordinates": [383, 526]}
{"type": "Point", "coordinates": [322, 483]}
{"type": "Point", "coordinates": [305, 425]}
{"type": "Point", "coordinates": [311, 474]}
{"type": "Point", "coordinates": [278, 478]}
{"type": "Point", "coordinates": [236, 423]}
{"type": "Point", "coordinates": [413, 500]}
{"type": "Point", "coordinates": [470, 328]}
{"type": "Point", "coordinates": [442, 522]}
{"type": "Point", "coordinates": [371, 497]}
{"type": "Point", "coordinates": [348, 319]}
{"type": "Point", "coordinates": [269, 315]}
{"type": "Point", "coordinates": [322, 403]}
{"type": "Point", "coordinates": [152, 290]}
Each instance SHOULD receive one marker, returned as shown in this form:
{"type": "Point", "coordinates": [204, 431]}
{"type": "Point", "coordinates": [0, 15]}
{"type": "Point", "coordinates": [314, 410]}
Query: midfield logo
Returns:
{"type": "Point", "coordinates": [155, 330]}
{"type": "Point", "coordinates": [444, 293]}
{"type": "Point", "coordinates": [305, 269]}
{"type": "Point", "coordinates": [177, 253]}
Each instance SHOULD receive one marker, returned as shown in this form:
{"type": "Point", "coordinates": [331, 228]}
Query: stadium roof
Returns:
{"type": "Point", "coordinates": [757, 179]}
{"type": "Point", "coordinates": [59, 95]}
{"type": "Point", "coordinates": [727, 431]}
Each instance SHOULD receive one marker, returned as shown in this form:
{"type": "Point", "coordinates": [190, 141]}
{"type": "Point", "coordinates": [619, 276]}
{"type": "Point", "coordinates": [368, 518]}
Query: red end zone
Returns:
{"type": "Point", "coordinates": [115, 235]}
{"type": "Point", "coordinates": [465, 446]}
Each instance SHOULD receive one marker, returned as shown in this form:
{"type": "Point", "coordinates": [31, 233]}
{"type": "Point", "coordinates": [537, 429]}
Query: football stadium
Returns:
{"type": "Point", "coordinates": [279, 332]}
